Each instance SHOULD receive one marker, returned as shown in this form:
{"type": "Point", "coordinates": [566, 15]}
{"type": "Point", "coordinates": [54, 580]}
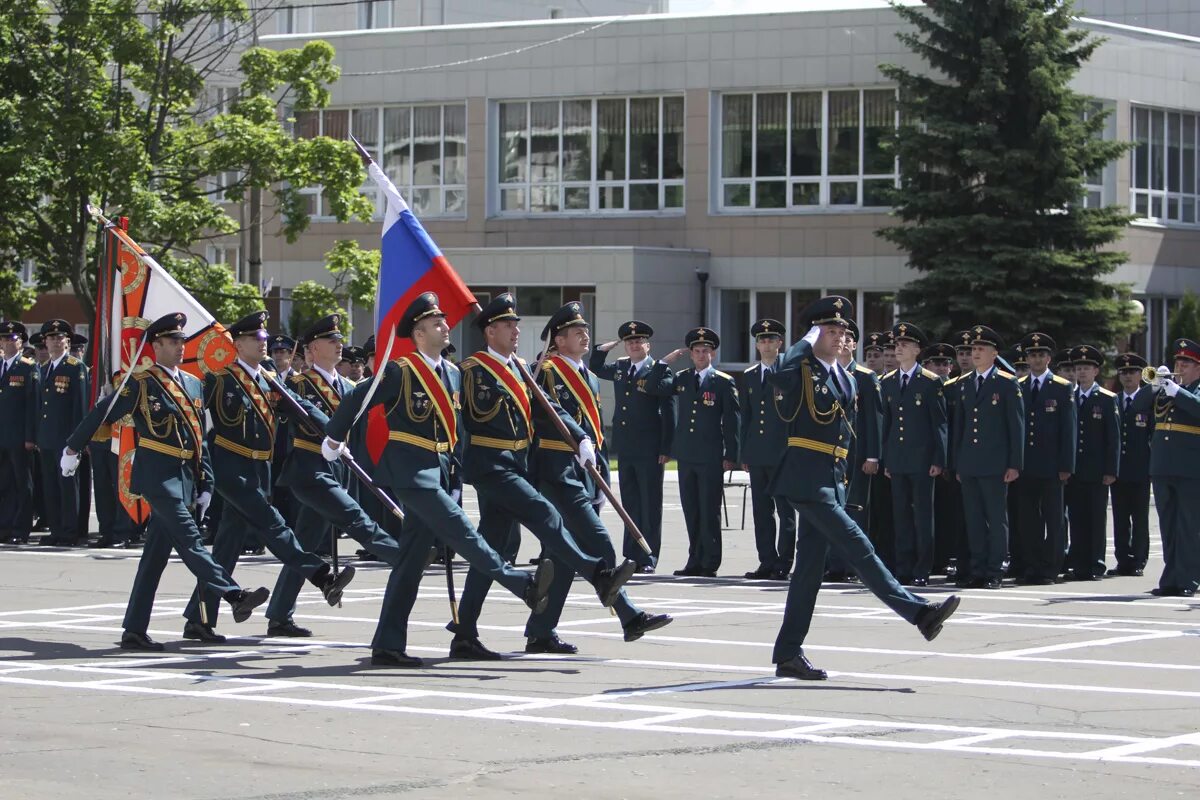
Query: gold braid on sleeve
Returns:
{"type": "Point", "coordinates": [478, 414]}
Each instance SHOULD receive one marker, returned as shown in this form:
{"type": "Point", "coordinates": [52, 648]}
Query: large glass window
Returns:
{"type": "Point", "coordinates": [806, 150]}
{"type": "Point", "coordinates": [615, 155]}
{"type": "Point", "coordinates": [421, 148]}
{"type": "Point", "coordinates": [1163, 184]}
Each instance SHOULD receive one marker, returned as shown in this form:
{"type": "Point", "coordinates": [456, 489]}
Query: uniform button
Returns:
{"type": "Point", "coordinates": [760, 430]}
{"type": "Point", "coordinates": [975, 441]}
{"type": "Point", "coordinates": [902, 438]}
{"type": "Point", "coordinates": [691, 430]}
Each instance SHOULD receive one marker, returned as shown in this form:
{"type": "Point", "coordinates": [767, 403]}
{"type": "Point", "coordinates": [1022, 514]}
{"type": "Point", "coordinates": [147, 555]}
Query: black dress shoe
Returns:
{"type": "Point", "coordinates": [202, 633]}
{"type": "Point", "coordinates": [800, 668]}
{"type": "Point", "coordinates": [609, 581]}
{"type": "Point", "coordinates": [643, 623]}
{"type": "Point", "coordinates": [992, 583]}
{"type": "Point", "coordinates": [287, 628]}
{"type": "Point", "coordinates": [904, 580]}
{"type": "Point", "coordinates": [780, 575]}
{"type": "Point", "coordinates": [646, 569]}
{"type": "Point", "coordinates": [537, 593]}
{"type": "Point", "coordinates": [931, 619]}
{"type": "Point", "coordinates": [394, 658]}
{"type": "Point", "coordinates": [762, 572]}
{"type": "Point", "coordinates": [131, 640]}
{"type": "Point", "coordinates": [550, 644]}
{"type": "Point", "coordinates": [1137, 572]}
{"type": "Point", "coordinates": [469, 648]}
{"type": "Point", "coordinates": [686, 572]}
{"type": "Point", "coordinates": [920, 582]}
{"type": "Point", "coordinates": [243, 603]}
{"type": "Point", "coordinates": [333, 585]}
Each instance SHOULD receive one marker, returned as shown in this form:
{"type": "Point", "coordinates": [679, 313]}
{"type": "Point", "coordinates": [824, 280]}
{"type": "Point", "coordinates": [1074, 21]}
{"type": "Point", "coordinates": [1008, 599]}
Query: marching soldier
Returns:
{"type": "Point", "coordinates": [989, 449]}
{"type": "Point", "coordinates": [503, 420]}
{"type": "Point", "coordinates": [171, 472]}
{"type": "Point", "coordinates": [1051, 428]}
{"type": "Point", "coordinates": [1131, 491]}
{"type": "Point", "coordinates": [643, 423]}
{"type": "Point", "coordinates": [914, 452]}
{"type": "Point", "coordinates": [421, 468]}
{"type": "Point", "coordinates": [1097, 461]}
{"type": "Point", "coordinates": [1175, 471]}
{"type": "Point", "coordinates": [61, 408]}
{"type": "Point", "coordinates": [817, 394]}
{"type": "Point", "coordinates": [242, 404]}
{"type": "Point", "coordinates": [705, 444]}
{"type": "Point", "coordinates": [763, 440]}
{"type": "Point", "coordinates": [19, 395]}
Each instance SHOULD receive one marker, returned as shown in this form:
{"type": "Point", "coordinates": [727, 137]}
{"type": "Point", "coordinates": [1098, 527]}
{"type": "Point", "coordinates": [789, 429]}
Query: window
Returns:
{"type": "Point", "coordinates": [27, 272]}
{"type": "Point", "coordinates": [422, 149]}
{"type": "Point", "coordinates": [293, 19]}
{"type": "Point", "coordinates": [374, 14]}
{"type": "Point", "coordinates": [806, 150]}
{"type": "Point", "coordinates": [228, 254]}
{"type": "Point", "coordinates": [1163, 186]}
{"type": "Point", "coordinates": [1093, 182]}
{"type": "Point", "coordinates": [611, 155]}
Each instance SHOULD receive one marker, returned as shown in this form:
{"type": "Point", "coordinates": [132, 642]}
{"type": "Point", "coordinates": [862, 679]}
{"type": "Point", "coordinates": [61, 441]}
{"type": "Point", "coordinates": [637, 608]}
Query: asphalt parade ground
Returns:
{"type": "Point", "coordinates": [1073, 690]}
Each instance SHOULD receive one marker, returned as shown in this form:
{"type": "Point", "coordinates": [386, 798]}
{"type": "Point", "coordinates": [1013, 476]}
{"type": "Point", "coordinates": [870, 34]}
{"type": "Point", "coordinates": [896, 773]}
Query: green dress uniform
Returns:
{"type": "Point", "coordinates": [1097, 454]}
{"type": "Point", "coordinates": [876, 490]}
{"type": "Point", "coordinates": [989, 438]}
{"type": "Point", "coordinates": [18, 408]}
{"type": "Point", "coordinates": [1131, 492]}
{"type": "Point", "coordinates": [643, 422]}
{"type": "Point", "coordinates": [914, 441]}
{"type": "Point", "coordinates": [812, 476]}
{"type": "Point", "coordinates": [62, 405]}
{"type": "Point", "coordinates": [1175, 474]}
{"type": "Point", "coordinates": [171, 469]}
{"type": "Point", "coordinates": [1051, 429]}
{"type": "Point", "coordinates": [706, 436]}
{"type": "Point", "coordinates": [242, 405]}
{"type": "Point", "coordinates": [866, 445]}
{"type": "Point", "coordinates": [763, 441]}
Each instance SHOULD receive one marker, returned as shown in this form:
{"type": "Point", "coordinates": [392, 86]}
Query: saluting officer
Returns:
{"type": "Point", "coordinates": [705, 444]}
{"type": "Point", "coordinates": [989, 449]}
{"type": "Point", "coordinates": [1051, 429]}
{"type": "Point", "coordinates": [817, 396]}
{"type": "Point", "coordinates": [1097, 461]}
{"type": "Point", "coordinates": [1131, 491]}
{"type": "Point", "coordinates": [914, 452]}
{"type": "Point", "coordinates": [19, 394]}
{"type": "Point", "coordinates": [1175, 471]}
{"type": "Point", "coordinates": [62, 406]}
{"type": "Point", "coordinates": [171, 472]}
{"type": "Point", "coordinates": [643, 423]}
{"type": "Point", "coordinates": [764, 438]}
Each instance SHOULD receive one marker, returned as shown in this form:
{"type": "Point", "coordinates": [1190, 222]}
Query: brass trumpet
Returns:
{"type": "Point", "coordinates": [1155, 377]}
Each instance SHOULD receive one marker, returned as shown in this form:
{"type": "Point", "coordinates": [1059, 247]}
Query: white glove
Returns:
{"type": "Point", "coordinates": [587, 453]}
{"type": "Point", "coordinates": [202, 504]}
{"type": "Point", "coordinates": [813, 334]}
{"type": "Point", "coordinates": [332, 450]}
{"type": "Point", "coordinates": [600, 503]}
{"type": "Point", "coordinates": [1169, 386]}
{"type": "Point", "coordinates": [69, 463]}
{"type": "Point", "coordinates": [456, 495]}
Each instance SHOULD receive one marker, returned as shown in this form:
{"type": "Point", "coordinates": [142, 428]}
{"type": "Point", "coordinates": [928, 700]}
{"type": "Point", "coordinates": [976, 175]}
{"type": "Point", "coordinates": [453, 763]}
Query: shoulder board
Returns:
{"type": "Point", "coordinates": [749, 369]}
{"type": "Point", "coordinates": [1061, 381]}
{"type": "Point", "coordinates": [295, 378]}
{"type": "Point", "coordinates": [1105, 392]}
{"type": "Point", "coordinates": [888, 375]}
{"type": "Point", "coordinates": [952, 381]}
{"type": "Point", "coordinates": [928, 373]}
{"type": "Point", "coordinates": [724, 375]}
{"type": "Point", "coordinates": [861, 368]}
{"type": "Point", "coordinates": [73, 361]}
{"type": "Point", "coordinates": [1004, 374]}
{"type": "Point", "coordinates": [1023, 379]}
{"type": "Point", "coordinates": [468, 362]}
{"type": "Point", "coordinates": [26, 361]}
{"type": "Point", "coordinates": [268, 373]}
{"type": "Point", "coordinates": [140, 375]}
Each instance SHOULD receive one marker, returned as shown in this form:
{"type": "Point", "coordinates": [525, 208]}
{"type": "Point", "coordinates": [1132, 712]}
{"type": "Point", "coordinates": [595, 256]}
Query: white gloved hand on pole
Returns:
{"type": "Point", "coordinates": [587, 453]}
{"type": "Point", "coordinates": [68, 463]}
{"type": "Point", "coordinates": [332, 450]}
{"type": "Point", "coordinates": [202, 504]}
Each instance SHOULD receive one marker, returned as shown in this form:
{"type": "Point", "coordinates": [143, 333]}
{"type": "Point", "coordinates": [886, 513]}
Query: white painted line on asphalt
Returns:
{"type": "Point", "coordinates": [1058, 648]}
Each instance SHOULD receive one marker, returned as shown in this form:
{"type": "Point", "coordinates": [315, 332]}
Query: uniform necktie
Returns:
{"type": "Point", "coordinates": [3, 369]}
{"type": "Point", "coordinates": [979, 383]}
{"type": "Point", "coordinates": [904, 381]}
{"type": "Point", "coordinates": [1033, 390]}
{"type": "Point", "coordinates": [1082, 399]}
{"type": "Point", "coordinates": [1128, 402]}
{"type": "Point", "coordinates": [442, 376]}
{"type": "Point", "coordinates": [698, 381]}
{"type": "Point", "coordinates": [632, 370]}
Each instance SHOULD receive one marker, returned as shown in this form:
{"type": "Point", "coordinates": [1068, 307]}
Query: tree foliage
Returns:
{"type": "Point", "coordinates": [355, 274]}
{"type": "Point", "coordinates": [1185, 320]}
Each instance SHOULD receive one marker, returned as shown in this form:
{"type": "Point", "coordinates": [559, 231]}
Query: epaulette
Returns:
{"type": "Point", "coordinates": [26, 361]}
{"type": "Point", "coordinates": [1004, 374]}
{"type": "Point", "coordinates": [295, 377]}
{"type": "Point", "coordinates": [140, 375]}
{"type": "Point", "coordinates": [888, 375]}
{"type": "Point", "coordinates": [928, 373]}
{"type": "Point", "coordinates": [954, 380]}
{"type": "Point", "coordinates": [861, 368]}
{"type": "Point", "coordinates": [73, 361]}
{"type": "Point", "coordinates": [1106, 392]}
{"type": "Point", "coordinates": [469, 361]}
{"type": "Point", "coordinates": [1061, 381]}
{"type": "Point", "coordinates": [270, 375]}
{"type": "Point", "coordinates": [1022, 379]}
{"type": "Point", "coordinates": [724, 375]}
{"type": "Point", "coordinates": [752, 368]}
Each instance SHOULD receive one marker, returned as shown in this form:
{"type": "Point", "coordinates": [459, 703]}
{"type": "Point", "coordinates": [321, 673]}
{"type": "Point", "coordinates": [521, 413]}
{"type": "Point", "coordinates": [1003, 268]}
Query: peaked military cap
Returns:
{"type": "Point", "coordinates": [253, 324]}
{"type": "Point", "coordinates": [169, 326]}
{"type": "Point", "coordinates": [569, 316]}
{"type": "Point", "coordinates": [907, 332]}
{"type": "Point", "coordinates": [503, 306]}
{"type": "Point", "coordinates": [56, 326]}
{"type": "Point", "coordinates": [368, 347]}
{"type": "Point", "coordinates": [635, 329]}
{"type": "Point", "coordinates": [325, 328]}
{"type": "Point", "coordinates": [1086, 354]}
{"type": "Point", "coordinates": [1017, 356]}
{"type": "Point", "coordinates": [982, 334]}
{"type": "Point", "coordinates": [962, 340]}
{"type": "Point", "coordinates": [78, 340]}
{"type": "Point", "coordinates": [1186, 348]}
{"type": "Point", "coordinates": [354, 355]}
{"type": "Point", "coordinates": [767, 327]}
{"type": "Point", "coordinates": [830, 310]}
{"type": "Point", "coordinates": [702, 336]}
{"type": "Point", "coordinates": [425, 305]}
{"type": "Point", "coordinates": [853, 331]}
{"type": "Point", "coordinates": [37, 339]}
{"type": "Point", "coordinates": [281, 341]}
{"type": "Point", "coordinates": [938, 352]}
{"type": "Point", "coordinates": [1063, 356]}
{"type": "Point", "coordinates": [875, 342]}
{"type": "Point", "coordinates": [449, 350]}
{"type": "Point", "coordinates": [1037, 341]}
{"type": "Point", "coordinates": [1130, 361]}
{"type": "Point", "coordinates": [13, 329]}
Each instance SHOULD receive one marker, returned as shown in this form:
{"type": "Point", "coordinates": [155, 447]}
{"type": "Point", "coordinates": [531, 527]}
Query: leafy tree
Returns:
{"type": "Point", "coordinates": [1185, 320]}
{"type": "Point", "coordinates": [355, 273]}
{"type": "Point", "coordinates": [112, 102]}
{"type": "Point", "coordinates": [15, 296]}
{"type": "Point", "coordinates": [213, 285]}
{"type": "Point", "coordinates": [994, 147]}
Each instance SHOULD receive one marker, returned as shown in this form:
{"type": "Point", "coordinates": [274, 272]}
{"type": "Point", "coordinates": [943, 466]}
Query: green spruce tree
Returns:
{"type": "Point", "coordinates": [994, 148]}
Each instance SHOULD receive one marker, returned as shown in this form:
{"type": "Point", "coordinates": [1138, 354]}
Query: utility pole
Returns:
{"type": "Point", "coordinates": [254, 256]}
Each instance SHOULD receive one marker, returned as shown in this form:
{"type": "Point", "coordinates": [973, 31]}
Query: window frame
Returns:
{"type": "Point", "coordinates": [1163, 197]}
